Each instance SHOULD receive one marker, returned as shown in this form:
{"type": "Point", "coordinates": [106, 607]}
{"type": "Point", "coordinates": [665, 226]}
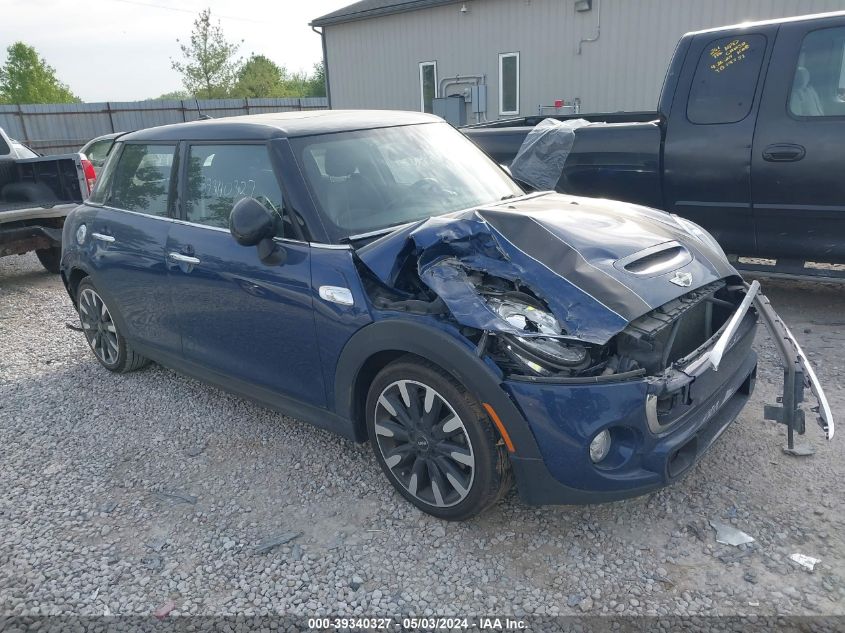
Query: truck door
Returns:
{"type": "Point", "coordinates": [799, 146]}
{"type": "Point", "coordinates": [707, 151]}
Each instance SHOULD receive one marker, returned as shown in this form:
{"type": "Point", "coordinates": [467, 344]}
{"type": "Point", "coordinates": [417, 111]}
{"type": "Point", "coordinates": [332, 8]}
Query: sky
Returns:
{"type": "Point", "coordinates": [120, 50]}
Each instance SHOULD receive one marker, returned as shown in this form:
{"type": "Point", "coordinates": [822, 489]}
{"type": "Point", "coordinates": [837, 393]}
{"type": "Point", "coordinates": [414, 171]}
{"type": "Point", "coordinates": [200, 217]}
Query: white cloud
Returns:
{"type": "Point", "coordinates": [120, 50]}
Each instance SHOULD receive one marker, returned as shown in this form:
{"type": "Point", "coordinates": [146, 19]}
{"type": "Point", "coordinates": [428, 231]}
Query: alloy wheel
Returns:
{"type": "Point", "coordinates": [424, 443]}
{"type": "Point", "coordinates": [98, 326]}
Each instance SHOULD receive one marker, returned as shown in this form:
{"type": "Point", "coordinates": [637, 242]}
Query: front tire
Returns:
{"type": "Point", "coordinates": [50, 258]}
{"type": "Point", "coordinates": [434, 442]}
{"type": "Point", "coordinates": [108, 344]}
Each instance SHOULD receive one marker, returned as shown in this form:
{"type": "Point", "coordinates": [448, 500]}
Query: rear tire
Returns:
{"type": "Point", "coordinates": [434, 441]}
{"type": "Point", "coordinates": [110, 347]}
{"type": "Point", "coordinates": [50, 258]}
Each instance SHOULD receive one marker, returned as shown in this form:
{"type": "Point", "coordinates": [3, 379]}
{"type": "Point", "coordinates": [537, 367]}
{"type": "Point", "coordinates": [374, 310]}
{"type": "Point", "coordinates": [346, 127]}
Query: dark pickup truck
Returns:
{"type": "Point", "coordinates": [36, 194]}
{"type": "Point", "coordinates": [748, 140]}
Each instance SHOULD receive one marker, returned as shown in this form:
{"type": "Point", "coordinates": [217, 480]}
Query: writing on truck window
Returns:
{"type": "Point", "coordinates": [725, 79]}
{"type": "Point", "coordinates": [731, 53]}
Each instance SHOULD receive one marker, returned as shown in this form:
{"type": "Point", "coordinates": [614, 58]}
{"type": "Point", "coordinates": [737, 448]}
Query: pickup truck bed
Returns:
{"type": "Point", "coordinates": [35, 196]}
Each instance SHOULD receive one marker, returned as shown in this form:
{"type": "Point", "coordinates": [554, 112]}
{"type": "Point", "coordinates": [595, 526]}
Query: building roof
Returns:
{"type": "Point", "coordinates": [262, 127]}
{"type": "Point", "coordinates": [374, 8]}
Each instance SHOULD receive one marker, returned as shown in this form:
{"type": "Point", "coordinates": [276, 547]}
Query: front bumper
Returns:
{"type": "Point", "coordinates": [565, 417]}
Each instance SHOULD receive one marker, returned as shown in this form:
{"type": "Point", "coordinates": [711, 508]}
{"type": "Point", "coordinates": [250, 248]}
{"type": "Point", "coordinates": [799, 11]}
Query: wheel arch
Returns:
{"type": "Point", "coordinates": [378, 344]}
{"type": "Point", "coordinates": [73, 280]}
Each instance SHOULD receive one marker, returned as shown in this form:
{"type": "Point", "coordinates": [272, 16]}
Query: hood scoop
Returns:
{"type": "Point", "coordinates": [657, 260]}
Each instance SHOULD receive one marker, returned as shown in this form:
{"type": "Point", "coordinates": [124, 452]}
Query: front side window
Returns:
{"type": "Point", "coordinates": [220, 175]}
{"type": "Point", "coordinates": [428, 86]}
{"type": "Point", "coordinates": [141, 181]}
{"type": "Point", "coordinates": [818, 85]}
{"type": "Point", "coordinates": [509, 83]}
{"type": "Point", "coordinates": [369, 180]}
{"type": "Point", "coordinates": [725, 80]}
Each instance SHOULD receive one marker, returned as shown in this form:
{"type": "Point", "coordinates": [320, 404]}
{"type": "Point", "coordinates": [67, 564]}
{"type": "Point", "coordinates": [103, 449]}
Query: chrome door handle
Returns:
{"type": "Point", "coordinates": [187, 259]}
{"type": "Point", "coordinates": [102, 237]}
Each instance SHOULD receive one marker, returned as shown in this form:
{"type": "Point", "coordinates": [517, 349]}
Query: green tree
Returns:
{"type": "Point", "coordinates": [175, 95]}
{"type": "Point", "coordinates": [259, 77]}
{"type": "Point", "coordinates": [209, 65]}
{"type": "Point", "coordinates": [26, 77]}
{"type": "Point", "coordinates": [317, 81]}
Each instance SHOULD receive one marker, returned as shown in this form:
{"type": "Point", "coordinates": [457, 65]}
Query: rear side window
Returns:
{"type": "Point", "coordinates": [818, 85]}
{"type": "Point", "coordinates": [4, 149]}
{"type": "Point", "coordinates": [141, 180]}
{"type": "Point", "coordinates": [725, 80]}
{"type": "Point", "coordinates": [98, 151]}
{"type": "Point", "coordinates": [105, 175]}
{"type": "Point", "coordinates": [220, 175]}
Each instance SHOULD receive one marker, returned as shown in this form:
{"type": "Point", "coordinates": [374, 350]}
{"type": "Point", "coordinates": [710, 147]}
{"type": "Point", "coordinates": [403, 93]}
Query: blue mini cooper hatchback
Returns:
{"type": "Point", "coordinates": [375, 274]}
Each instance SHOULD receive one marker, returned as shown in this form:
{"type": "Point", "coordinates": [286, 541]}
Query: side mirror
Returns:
{"type": "Point", "coordinates": [250, 222]}
{"type": "Point", "coordinates": [253, 224]}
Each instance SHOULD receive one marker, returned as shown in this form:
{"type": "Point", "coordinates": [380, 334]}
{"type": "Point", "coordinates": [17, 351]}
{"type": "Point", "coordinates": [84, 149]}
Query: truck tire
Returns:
{"type": "Point", "coordinates": [110, 347]}
{"type": "Point", "coordinates": [434, 442]}
{"type": "Point", "coordinates": [50, 258]}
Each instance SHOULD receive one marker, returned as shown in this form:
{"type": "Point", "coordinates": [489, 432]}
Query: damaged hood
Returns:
{"type": "Point", "coordinates": [598, 264]}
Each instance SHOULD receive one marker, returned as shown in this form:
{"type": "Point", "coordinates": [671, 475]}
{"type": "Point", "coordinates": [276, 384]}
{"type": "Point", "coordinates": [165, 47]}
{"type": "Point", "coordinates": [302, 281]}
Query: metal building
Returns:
{"type": "Point", "coordinates": [527, 55]}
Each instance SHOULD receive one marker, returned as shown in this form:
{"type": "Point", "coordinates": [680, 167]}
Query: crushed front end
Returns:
{"type": "Point", "coordinates": [623, 337]}
{"type": "Point", "coordinates": [617, 434]}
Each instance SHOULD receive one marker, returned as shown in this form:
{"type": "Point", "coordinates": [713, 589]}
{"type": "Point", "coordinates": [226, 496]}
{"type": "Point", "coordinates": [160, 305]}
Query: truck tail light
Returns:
{"type": "Point", "coordinates": [90, 174]}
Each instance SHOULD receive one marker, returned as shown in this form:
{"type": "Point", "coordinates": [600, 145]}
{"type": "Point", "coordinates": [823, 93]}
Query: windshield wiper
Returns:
{"type": "Point", "coordinates": [510, 196]}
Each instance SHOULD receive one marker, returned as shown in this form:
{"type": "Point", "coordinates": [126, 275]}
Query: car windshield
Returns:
{"type": "Point", "coordinates": [368, 180]}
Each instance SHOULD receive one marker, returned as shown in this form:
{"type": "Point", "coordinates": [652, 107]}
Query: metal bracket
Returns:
{"type": "Point", "coordinates": [781, 414]}
{"type": "Point", "coordinates": [794, 381]}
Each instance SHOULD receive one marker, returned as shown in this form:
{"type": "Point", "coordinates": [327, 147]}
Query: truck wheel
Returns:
{"type": "Point", "coordinates": [107, 343]}
{"type": "Point", "coordinates": [434, 442]}
{"type": "Point", "coordinates": [50, 258]}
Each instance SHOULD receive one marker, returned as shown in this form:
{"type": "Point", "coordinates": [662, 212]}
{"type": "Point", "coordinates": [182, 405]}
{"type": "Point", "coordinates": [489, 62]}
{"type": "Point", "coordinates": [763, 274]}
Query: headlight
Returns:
{"type": "Point", "coordinates": [700, 234]}
{"type": "Point", "coordinates": [539, 354]}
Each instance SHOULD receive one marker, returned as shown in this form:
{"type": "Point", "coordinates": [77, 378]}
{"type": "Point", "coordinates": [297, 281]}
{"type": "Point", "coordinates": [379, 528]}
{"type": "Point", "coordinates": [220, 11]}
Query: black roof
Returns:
{"type": "Point", "coordinates": [374, 8]}
{"type": "Point", "coordinates": [794, 18]}
{"type": "Point", "coordinates": [262, 127]}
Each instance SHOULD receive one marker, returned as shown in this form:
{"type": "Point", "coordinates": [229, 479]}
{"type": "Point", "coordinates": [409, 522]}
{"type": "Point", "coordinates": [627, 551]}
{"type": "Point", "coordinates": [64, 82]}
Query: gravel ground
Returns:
{"type": "Point", "coordinates": [122, 493]}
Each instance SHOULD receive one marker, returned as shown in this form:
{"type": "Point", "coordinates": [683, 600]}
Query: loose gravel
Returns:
{"type": "Point", "coordinates": [122, 493]}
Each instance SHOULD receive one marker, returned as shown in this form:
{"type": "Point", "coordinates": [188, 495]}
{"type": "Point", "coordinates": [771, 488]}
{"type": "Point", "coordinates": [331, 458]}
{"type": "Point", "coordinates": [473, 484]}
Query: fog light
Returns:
{"type": "Point", "coordinates": [600, 446]}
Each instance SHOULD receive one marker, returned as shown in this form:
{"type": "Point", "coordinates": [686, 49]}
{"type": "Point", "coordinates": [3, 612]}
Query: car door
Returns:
{"type": "Point", "coordinates": [127, 241]}
{"type": "Point", "coordinates": [799, 145]}
{"type": "Point", "coordinates": [707, 153]}
{"type": "Point", "coordinates": [240, 318]}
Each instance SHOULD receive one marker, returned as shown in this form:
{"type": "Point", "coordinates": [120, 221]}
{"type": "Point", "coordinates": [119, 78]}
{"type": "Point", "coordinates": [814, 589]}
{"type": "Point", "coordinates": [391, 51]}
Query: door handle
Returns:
{"type": "Point", "coordinates": [784, 152]}
{"type": "Point", "coordinates": [187, 259]}
{"type": "Point", "coordinates": [102, 237]}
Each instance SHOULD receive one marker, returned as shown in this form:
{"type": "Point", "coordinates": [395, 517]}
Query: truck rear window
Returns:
{"type": "Point", "coordinates": [725, 79]}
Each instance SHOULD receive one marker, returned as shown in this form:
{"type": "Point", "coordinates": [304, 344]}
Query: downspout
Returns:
{"type": "Point", "coordinates": [598, 28]}
{"type": "Point", "coordinates": [322, 35]}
